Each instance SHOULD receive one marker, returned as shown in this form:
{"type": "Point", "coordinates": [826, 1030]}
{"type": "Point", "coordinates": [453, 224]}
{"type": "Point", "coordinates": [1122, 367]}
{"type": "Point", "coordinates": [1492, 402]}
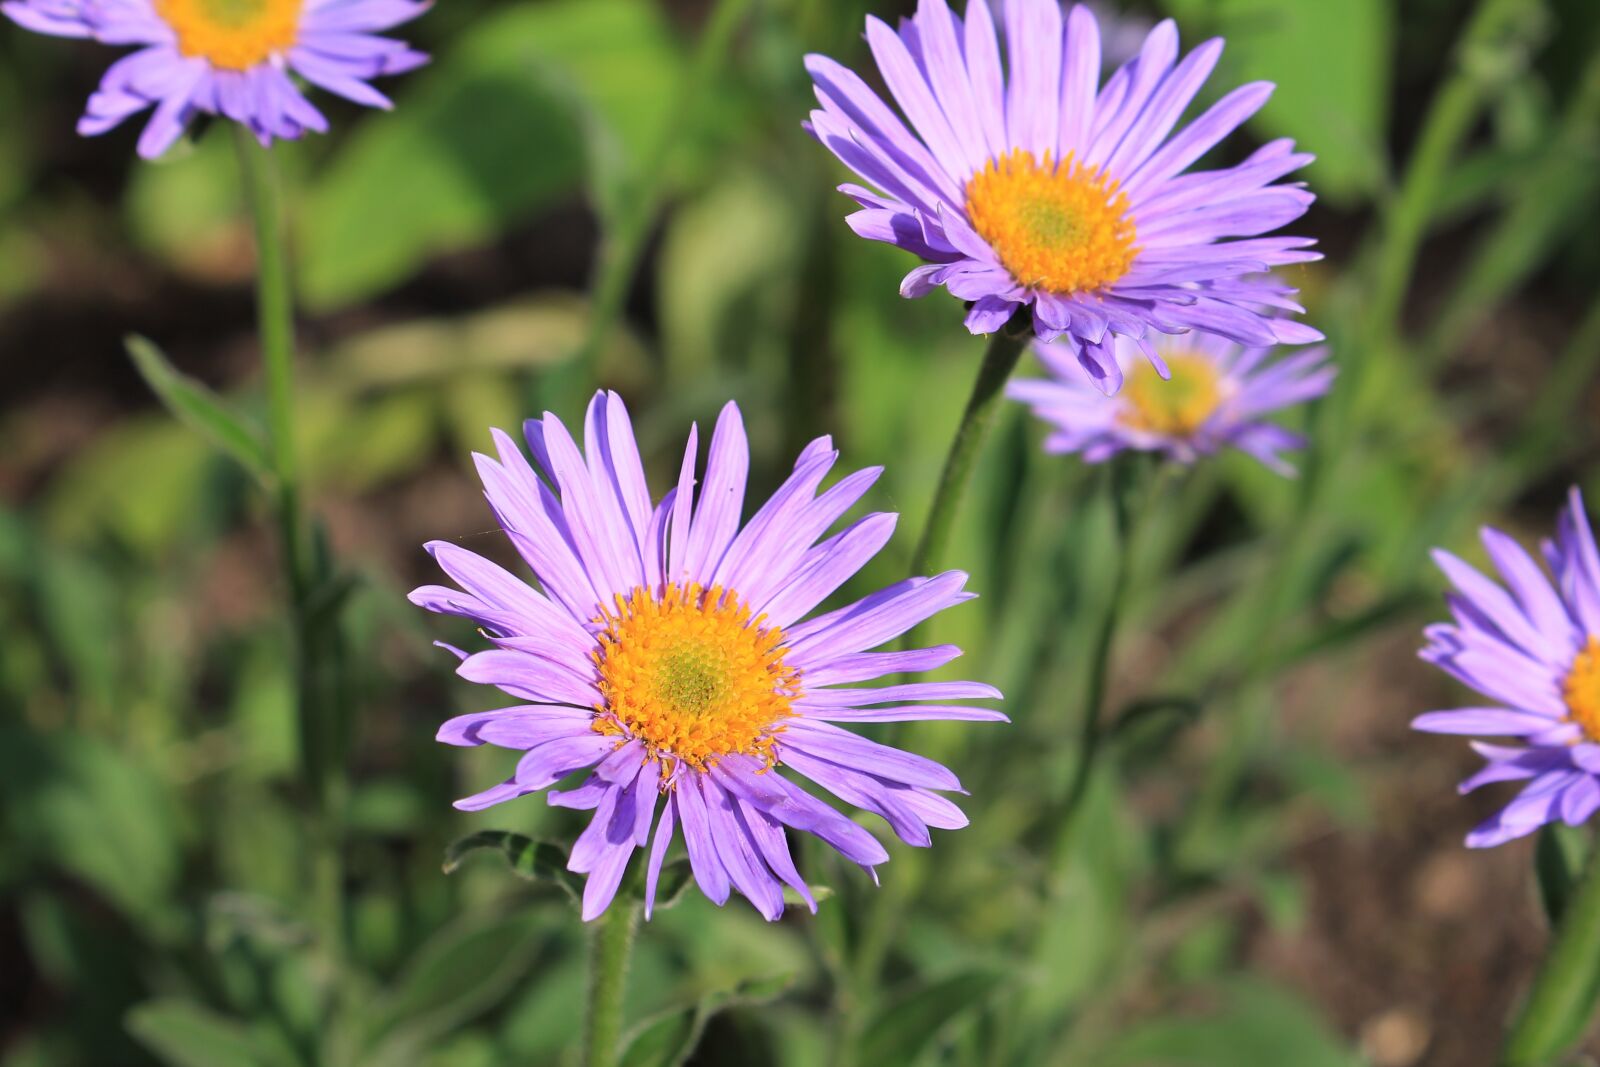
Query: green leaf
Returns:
{"type": "Point", "coordinates": [185, 1034]}
{"type": "Point", "coordinates": [1257, 1026]}
{"type": "Point", "coordinates": [490, 135]}
{"type": "Point", "coordinates": [1558, 863]}
{"type": "Point", "coordinates": [1331, 63]}
{"type": "Point", "coordinates": [537, 861]}
{"type": "Point", "coordinates": [87, 809]}
{"type": "Point", "coordinates": [462, 971]}
{"type": "Point", "coordinates": [669, 1039]}
{"type": "Point", "coordinates": [202, 410]}
{"type": "Point", "coordinates": [910, 1022]}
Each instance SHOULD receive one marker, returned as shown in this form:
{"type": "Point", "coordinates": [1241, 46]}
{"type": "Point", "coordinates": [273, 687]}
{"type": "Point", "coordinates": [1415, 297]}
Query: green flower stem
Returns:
{"type": "Point", "coordinates": [999, 360]}
{"type": "Point", "coordinates": [610, 945]}
{"type": "Point", "coordinates": [1564, 991]}
{"type": "Point", "coordinates": [320, 768]}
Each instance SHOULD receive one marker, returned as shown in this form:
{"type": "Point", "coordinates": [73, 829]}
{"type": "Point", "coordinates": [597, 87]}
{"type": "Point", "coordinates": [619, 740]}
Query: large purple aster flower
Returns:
{"type": "Point", "coordinates": [228, 57]}
{"type": "Point", "coordinates": [669, 651]}
{"type": "Point", "coordinates": [1532, 647]}
{"type": "Point", "coordinates": [1036, 186]}
{"type": "Point", "coordinates": [1217, 394]}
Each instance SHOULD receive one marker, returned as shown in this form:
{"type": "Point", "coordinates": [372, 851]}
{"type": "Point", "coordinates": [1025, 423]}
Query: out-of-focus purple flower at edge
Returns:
{"type": "Point", "coordinates": [1219, 395]}
{"type": "Point", "coordinates": [1530, 644]}
{"type": "Point", "coordinates": [231, 58]}
{"type": "Point", "coordinates": [670, 651]}
{"type": "Point", "coordinates": [1039, 187]}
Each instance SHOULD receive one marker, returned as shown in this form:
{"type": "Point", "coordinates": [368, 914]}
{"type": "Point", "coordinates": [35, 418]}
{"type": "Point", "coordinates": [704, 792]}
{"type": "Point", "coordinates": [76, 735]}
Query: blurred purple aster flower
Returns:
{"type": "Point", "coordinates": [1532, 647]}
{"type": "Point", "coordinates": [228, 57]}
{"type": "Point", "coordinates": [1218, 394]}
{"type": "Point", "coordinates": [1038, 187]}
{"type": "Point", "coordinates": [670, 652]}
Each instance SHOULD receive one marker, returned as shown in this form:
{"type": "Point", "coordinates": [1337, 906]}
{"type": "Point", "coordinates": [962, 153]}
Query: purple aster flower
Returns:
{"type": "Point", "coordinates": [1207, 393]}
{"type": "Point", "coordinates": [1532, 647]}
{"type": "Point", "coordinates": [669, 652]}
{"type": "Point", "coordinates": [1038, 187]}
{"type": "Point", "coordinates": [228, 57]}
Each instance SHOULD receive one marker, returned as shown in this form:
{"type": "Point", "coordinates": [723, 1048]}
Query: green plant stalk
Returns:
{"type": "Point", "coordinates": [275, 323]}
{"type": "Point", "coordinates": [635, 208]}
{"type": "Point", "coordinates": [1563, 995]}
{"type": "Point", "coordinates": [1451, 114]}
{"type": "Point", "coordinates": [999, 360]}
{"type": "Point", "coordinates": [610, 946]}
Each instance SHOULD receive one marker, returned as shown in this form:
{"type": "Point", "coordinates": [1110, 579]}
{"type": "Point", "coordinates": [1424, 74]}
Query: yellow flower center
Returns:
{"type": "Point", "coordinates": [1171, 407]}
{"type": "Point", "coordinates": [1055, 226]}
{"type": "Point", "coordinates": [232, 34]}
{"type": "Point", "coordinates": [693, 676]}
{"type": "Point", "coordinates": [1582, 689]}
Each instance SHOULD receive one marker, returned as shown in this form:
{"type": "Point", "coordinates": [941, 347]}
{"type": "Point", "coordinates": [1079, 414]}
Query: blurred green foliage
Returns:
{"type": "Point", "coordinates": [150, 875]}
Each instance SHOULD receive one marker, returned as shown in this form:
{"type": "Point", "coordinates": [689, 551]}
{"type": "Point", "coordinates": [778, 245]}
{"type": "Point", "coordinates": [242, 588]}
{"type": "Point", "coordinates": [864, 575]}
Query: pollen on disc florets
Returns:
{"type": "Point", "coordinates": [692, 675]}
{"type": "Point", "coordinates": [1171, 407]}
{"type": "Point", "coordinates": [1060, 227]}
{"type": "Point", "coordinates": [232, 34]}
{"type": "Point", "coordinates": [1581, 689]}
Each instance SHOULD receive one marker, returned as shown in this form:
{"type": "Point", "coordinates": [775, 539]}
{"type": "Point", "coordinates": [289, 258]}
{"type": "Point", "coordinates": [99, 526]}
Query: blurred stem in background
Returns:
{"type": "Point", "coordinates": [1564, 991]}
{"type": "Point", "coordinates": [321, 711]}
{"type": "Point", "coordinates": [876, 932]}
{"type": "Point", "coordinates": [1122, 476]}
{"type": "Point", "coordinates": [610, 945]}
{"type": "Point", "coordinates": [629, 205]}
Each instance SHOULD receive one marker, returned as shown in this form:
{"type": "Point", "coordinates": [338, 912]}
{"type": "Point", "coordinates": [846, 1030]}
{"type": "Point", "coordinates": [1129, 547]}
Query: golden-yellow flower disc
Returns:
{"type": "Point", "coordinates": [693, 676]}
{"type": "Point", "coordinates": [1582, 689]}
{"type": "Point", "coordinates": [232, 34]}
{"type": "Point", "coordinates": [1171, 407]}
{"type": "Point", "coordinates": [1060, 227]}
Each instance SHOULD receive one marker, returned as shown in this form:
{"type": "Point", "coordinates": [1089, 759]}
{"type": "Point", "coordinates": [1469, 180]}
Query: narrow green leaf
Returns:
{"type": "Point", "coordinates": [1558, 860]}
{"type": "Point", "coordinates": [185, 1034]}
{"type": "Point", "coordinates": [909, 1023]}
{"type": "Point", "coordinates": [462, 971]}
{"type": "Point", "coordinates": [669, 1039]}
{"type": "Point", "coordinates": [537, 861]}
{"type": "Point", "coordinates": [200, 409]}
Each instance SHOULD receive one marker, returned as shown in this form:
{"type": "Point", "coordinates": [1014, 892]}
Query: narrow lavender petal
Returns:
{"type": "Point", "coordinates": [1484, 722]}
{"type": "Point", "coordinates": [1033, 95]}
{"type": "Point", "coordinates": [983, 74]}
{"type": "Point", "coordinates": [889, 694]}
{"type": "Point", "coordinates": [658, 853]}
{"type": "Point", "coordinates": [1580, 800]}
{"type": "Point", "coordinates": [746, 870]}
{"type": "Point", "coordinates": [827, 567]}
{"type": "Point", "coordinates": [709, 873]}
{"type": "Point", "coordinates": [796, 808]}
{"type": "Point", "coordinates": [465, 730]}
{"type": "Point", "coordinates": [867, 666]}
{"type": "Point", "coordinates": [767, 834]}
{"type": "Point", "coordinates": [1080, 78]}
{"type": "Point", "coordinates": [716, 518]}
{"type": "Point", "coordinates": [528, 677]}
{"type": "Point", "coordinates": [875, 619]}
{"type": "Point", "coordinates": [531, 729]}
{"type": "Point", "coordinates": [905, 713]}
{"type": "Point", "coordinates": [911, 92]}
{"type": "Point", "coordinates": [839, 746]}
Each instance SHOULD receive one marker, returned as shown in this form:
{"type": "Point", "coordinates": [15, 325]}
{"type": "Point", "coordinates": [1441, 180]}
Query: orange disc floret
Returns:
{"type": "Point", "coordinates": [1175, 406]}
{"type": "Point", "coordinates": [232, 34]}
{"type": "Point", "coordinates": [1581, 690]}
{"type": "Point", "coordinates": [1059, 227]}
{"type": "Point", "coordinates": [692, 675]}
